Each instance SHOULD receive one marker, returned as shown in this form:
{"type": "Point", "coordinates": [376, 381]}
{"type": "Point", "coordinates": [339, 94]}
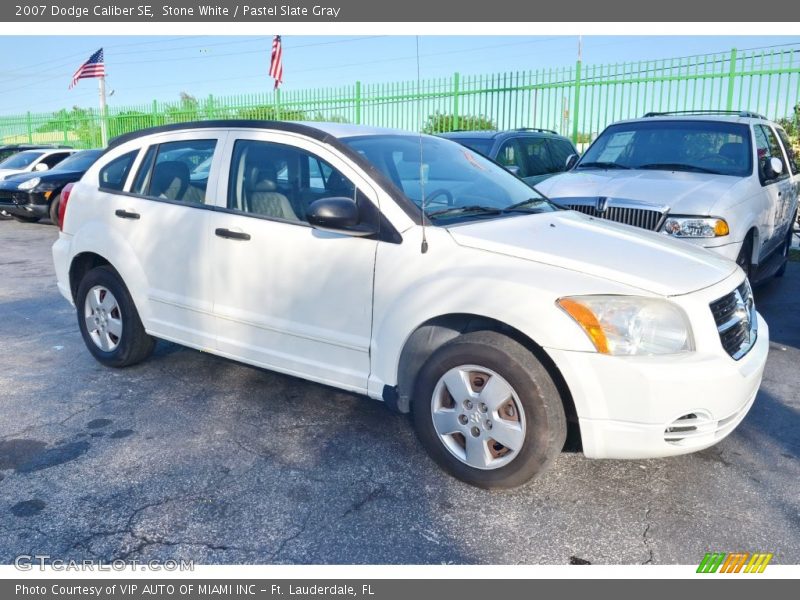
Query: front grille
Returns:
{"type": "Point", "coordinates": [735, 316]}
{"type": "Point", "coordinates": [6, 197]}
{"type": "Point", "coordinates": [637, 217]}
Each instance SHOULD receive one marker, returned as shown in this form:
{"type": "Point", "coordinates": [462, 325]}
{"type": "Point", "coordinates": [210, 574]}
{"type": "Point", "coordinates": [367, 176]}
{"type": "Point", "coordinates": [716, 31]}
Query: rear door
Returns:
{"type": "Point", "coordinates": [287, 296]}
{"type": "Point", "coordinates": [163, 213]}
{"type": "Point", "coordinates": [539, 164]}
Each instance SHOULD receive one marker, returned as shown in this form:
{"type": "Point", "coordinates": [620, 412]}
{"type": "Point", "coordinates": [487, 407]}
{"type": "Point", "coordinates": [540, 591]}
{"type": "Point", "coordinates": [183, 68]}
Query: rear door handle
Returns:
{"type": "Point", "coordinates": [124, 214]}
{"type": "Point", "coordinates": [232, 235]}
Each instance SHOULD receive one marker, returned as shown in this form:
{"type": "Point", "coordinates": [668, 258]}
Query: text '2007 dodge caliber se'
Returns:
{"type": "Point", "coordinates": [495, 317]}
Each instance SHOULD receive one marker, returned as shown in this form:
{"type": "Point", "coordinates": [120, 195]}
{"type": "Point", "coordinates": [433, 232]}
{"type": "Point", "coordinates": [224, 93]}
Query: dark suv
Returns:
{"type": "Point", "coordinates": [532, 154]}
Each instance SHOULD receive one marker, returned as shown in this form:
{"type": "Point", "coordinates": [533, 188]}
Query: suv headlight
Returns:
{"type": "Point", "coordinates": [30, 184]}
{"type": "Point", "coordinates": [631, 325]}
{"type": "Point", "coordinates": [695, 227]}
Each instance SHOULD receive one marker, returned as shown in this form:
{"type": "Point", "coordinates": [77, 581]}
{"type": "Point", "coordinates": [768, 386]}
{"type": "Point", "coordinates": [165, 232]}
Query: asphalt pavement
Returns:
{"type": "Point", "coordinates": [192, 456]}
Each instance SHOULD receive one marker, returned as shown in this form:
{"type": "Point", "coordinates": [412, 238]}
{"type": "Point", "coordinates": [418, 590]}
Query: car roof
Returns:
{"type": "Point", "coordinates": [744, 118]}
{"type": "Point", "coordinates": [316, 129]}
{"type": "Point", "coordinates": [491, 134]}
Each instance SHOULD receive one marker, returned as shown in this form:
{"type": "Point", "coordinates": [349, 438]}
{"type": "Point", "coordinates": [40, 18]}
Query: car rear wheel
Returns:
{"type": "Point", "coordinates": [488, 412]}
{"type": "Point", "coordinates": [108, 320]}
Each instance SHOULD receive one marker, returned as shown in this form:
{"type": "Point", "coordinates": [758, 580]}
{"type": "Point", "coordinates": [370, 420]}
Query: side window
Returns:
{"type": "Point", "coordinates": [767, 147]}
{"type": "Point", "coordinates": [281, 182]}
{"type": "Point", "coordinates": [114, 174]}
{"type": "Point", "coordinates": [509, 155]}
{"type": "Point", "coordinates": [787, 144]}
{"type": "Point", "coordinates": [537, 156]}
{"type": "Point", "coordinates": [176, 171]}
{"type": "Point", "coordinates": [53, 159]}
{"type": "Point", "coordinates": [560, 150]}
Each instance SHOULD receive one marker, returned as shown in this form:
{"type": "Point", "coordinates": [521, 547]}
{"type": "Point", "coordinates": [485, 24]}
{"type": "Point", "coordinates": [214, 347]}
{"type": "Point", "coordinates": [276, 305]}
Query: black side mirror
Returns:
{"type": "Point", "coordinates": [572, 159]}
{"type": "Point", "coordinates": [338, 214]}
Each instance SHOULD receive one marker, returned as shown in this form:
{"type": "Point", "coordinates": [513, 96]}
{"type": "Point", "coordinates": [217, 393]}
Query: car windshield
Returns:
{"type": "Point", "coordinates": [457, 182]}
{"type": "Point", "coordinates": [80, 161]}
{"type": "Point", "coordinates": [714, 147]}
{"type": "Point", "coordinates": [20, 160]}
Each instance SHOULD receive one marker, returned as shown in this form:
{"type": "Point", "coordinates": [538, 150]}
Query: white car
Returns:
{"type": "Point", "coordinates": [726, 182]}
{"type": "Point", "coordinates": [33, 160]}
{"type": "Point", "coordinates": [495, 318]}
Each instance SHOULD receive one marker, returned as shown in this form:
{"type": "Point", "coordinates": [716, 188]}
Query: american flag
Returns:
{"type": "Point", "coordinates": [276, 64]}
{"type": "Point", "coordinates": [94, 67]}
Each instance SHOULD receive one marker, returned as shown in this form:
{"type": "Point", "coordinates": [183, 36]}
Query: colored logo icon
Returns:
{"type": "Point", "coordinates": [734, 562]}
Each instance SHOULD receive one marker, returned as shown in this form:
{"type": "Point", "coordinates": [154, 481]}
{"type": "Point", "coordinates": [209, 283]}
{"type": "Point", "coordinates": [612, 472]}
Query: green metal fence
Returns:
{"type": "Point", "coordinates": [577, 101]}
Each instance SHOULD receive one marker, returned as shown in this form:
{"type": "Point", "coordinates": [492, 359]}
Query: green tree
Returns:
{"type": "Point", "coordinates": [443, 122]}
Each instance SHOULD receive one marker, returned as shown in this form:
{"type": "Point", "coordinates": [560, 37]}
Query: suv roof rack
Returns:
{"type": "Point", "coordinates": [538, 129]}
{"type": "Point", "coordinates": [738, 113]}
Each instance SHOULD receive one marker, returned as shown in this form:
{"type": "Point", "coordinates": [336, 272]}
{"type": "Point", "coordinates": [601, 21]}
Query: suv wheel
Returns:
{"type": "Point", "coordinates": [488, 412]}
{"type": "Point", "coordinates": [785, 253]}
{"type": "Point", "coordinates": [109, 321]}
{"type": "Point", "coordinates": [744, 260]}
{"type": "Point", "coordinates": [54, 203]}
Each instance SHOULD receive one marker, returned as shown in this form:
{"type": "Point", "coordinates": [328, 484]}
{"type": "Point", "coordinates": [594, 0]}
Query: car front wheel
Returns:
{"type": "Point", "coordinates": [488, 412]}
{"type": "Point", "coordinates": [108, 320]}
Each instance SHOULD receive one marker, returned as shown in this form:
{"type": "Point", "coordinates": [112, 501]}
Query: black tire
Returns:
{"type": "Point", "coordinates": [53, 210]}
{"type": "Point", "coordinates": [23, 219]}
{"type": "Point", "coordinates": [785, 251]}
{"type": "Point", "coordinates": [745, 258]}
{"type": "Point", "coordinates": [134, 344]}
{"type": "Point", "coordinates": [546, 427]}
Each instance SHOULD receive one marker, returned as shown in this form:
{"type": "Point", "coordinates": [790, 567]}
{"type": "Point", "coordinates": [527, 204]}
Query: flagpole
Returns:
{"type": "Point", "coordinates": [101, 85]}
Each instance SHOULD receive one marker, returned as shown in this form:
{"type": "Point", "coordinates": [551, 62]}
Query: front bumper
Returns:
{"type": "Point", "coordinates": [25, 204]}
{"type": "Point", "coordinates": [627, 404]}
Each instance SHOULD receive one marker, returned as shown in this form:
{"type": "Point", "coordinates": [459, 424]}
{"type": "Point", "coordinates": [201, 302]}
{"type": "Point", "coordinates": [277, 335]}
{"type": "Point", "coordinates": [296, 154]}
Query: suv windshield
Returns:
{"type": "Point", "coordinates": [715, 147]}
{"type": "Point", "coordinates": [20, 160]}
{"type": "Point", "coordinates": [458, 183]}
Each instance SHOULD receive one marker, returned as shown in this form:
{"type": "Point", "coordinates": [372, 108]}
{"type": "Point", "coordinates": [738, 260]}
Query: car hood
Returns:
{"type": "Point", "coordinates": [54, 177]}
{"type": "Point", "coordinates": [6, 172]}
{"type": "Point", "coordinates": [642, 259]}
{"type": "Point", "coordinates": [680, 192]}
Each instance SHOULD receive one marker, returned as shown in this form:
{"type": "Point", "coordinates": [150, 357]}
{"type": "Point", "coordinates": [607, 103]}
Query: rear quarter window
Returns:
{"type": "Point", "coordinates": [114, 174]}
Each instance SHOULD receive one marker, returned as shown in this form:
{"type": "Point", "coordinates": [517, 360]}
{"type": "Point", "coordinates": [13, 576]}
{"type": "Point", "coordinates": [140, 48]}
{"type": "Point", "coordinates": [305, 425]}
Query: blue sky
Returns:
{"type": "Point", "coordinates": [35, 70]}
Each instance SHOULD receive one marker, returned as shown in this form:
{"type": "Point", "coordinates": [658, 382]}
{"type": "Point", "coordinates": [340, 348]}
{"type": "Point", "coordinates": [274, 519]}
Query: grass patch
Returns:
{"type": "Point", "coordinates": [794, 255]}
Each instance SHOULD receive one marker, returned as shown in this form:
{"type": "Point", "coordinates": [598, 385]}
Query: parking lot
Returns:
{"type": "Point", "coordinates": [191, 456]}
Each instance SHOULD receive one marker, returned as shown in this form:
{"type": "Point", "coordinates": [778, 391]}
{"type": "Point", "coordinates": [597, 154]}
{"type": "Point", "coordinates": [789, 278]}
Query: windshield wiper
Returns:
{"type": "Point", "coordinates": [522, 206]}
{"type": "Point", "coordinates": [472, 208]}
{"type": "Point", "coordinates": [678, 167]}
{"type": "Point", "coordinates": [602, 165]}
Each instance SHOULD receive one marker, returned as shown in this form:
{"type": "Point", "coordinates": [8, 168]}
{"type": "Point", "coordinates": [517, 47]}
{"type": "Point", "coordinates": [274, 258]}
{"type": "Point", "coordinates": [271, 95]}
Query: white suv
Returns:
{"type": "Point", "coordinates": [495, 318]}
{"type": "Point", "coordinates": [725, 181]}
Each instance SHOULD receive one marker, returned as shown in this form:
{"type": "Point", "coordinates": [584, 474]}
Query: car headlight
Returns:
{"type": "Point", "coordinates": [30, 184]}
{"type": "Point", "coordinates": [695, 227]}
{"type": "Point", "coordinates": [631, 325]}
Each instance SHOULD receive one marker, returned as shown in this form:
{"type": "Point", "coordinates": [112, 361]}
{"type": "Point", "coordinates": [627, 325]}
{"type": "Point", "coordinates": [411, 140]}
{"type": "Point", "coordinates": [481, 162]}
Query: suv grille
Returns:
{"type": "Point", "coordinates": [638, 217]}
{"type": "Point", "coordinates": [735, 316]}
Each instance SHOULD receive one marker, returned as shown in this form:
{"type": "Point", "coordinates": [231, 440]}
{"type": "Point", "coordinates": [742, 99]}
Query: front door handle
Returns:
{"type": "Point", "coordinates": [232, 235]}
{"type": "Point", "coordinates": [124, 214]}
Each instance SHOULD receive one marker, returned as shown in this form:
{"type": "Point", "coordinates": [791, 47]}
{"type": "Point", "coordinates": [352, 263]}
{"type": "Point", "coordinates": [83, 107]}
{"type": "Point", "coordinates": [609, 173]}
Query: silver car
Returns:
{"type": "Point", "coordinates": [725, 181]}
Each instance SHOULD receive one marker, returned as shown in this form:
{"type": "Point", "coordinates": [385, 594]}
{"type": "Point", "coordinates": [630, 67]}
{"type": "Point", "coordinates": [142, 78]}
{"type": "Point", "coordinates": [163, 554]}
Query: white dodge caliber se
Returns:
{"type": "Point", "coordinates": [491, 315]}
